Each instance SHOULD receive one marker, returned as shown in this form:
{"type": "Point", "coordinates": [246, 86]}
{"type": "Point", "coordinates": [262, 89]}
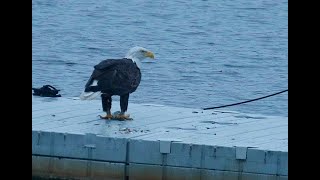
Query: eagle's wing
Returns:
{"type": "Point", "coordinates": [102, 68]}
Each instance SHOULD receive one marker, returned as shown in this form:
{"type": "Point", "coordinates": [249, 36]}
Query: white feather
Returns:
{"type": "Point", "coordinates": [94, 83]}
{"type": "Point", "coordinates": [90, 95]}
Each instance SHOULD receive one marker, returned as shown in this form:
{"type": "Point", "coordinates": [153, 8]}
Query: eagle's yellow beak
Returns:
{"type": "Point", "coordinates": [149, 54]}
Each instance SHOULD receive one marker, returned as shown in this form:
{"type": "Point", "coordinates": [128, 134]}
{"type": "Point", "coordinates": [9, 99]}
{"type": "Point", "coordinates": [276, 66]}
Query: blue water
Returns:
{"type": "Point", "coordinates": [208, 52]}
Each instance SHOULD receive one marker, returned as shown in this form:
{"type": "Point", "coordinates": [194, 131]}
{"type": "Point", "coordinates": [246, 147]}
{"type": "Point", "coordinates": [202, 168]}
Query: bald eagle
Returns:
{"type": "Point", "coordinates": [116, 77]}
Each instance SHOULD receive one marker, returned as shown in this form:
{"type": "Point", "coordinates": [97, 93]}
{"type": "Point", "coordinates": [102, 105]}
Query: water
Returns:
{"type": "Point", "coordinates": [208, 53]}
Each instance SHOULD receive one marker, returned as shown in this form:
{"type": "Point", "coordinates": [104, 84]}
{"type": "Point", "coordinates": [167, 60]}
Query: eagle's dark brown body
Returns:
{"type": "Point", "coordinates": [115, 77]}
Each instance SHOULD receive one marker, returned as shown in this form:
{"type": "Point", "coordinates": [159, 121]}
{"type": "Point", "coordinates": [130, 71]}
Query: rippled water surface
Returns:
{"type": "Point", "coordinates": [208, 53]}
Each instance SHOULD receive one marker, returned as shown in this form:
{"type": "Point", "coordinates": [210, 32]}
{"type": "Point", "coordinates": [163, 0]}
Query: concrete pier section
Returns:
{"type": "Point", "coordinates": [69, 140]}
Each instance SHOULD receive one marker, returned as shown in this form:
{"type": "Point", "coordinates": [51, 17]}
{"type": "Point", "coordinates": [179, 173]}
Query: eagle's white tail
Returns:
{"type": "Point", "coordinates": [89, 95]}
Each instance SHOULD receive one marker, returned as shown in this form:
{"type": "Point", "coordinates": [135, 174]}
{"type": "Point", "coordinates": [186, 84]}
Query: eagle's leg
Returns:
{"type": "Point", "coordinates": [124, 106]}
{"type": "Point", "coordinates": [106, 106]}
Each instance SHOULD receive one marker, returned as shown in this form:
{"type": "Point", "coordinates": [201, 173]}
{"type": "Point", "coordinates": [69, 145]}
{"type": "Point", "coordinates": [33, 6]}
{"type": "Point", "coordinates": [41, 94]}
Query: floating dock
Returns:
{"type": "Point", "coordinates": [69, 140]}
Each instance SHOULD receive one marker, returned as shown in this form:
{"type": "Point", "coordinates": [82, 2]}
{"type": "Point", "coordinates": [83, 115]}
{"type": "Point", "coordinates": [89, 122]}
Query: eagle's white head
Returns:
{"type": "Point", "coordinates": [137, 54]}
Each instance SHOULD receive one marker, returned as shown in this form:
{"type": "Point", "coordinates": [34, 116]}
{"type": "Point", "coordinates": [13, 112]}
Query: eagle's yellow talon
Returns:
{"type": "Point", "coordinates": [108, 116]}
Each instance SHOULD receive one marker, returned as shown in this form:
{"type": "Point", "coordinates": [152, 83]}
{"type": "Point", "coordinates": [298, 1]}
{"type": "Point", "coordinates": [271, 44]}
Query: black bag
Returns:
{"type": "Point", "coordinates": [46, 91]}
